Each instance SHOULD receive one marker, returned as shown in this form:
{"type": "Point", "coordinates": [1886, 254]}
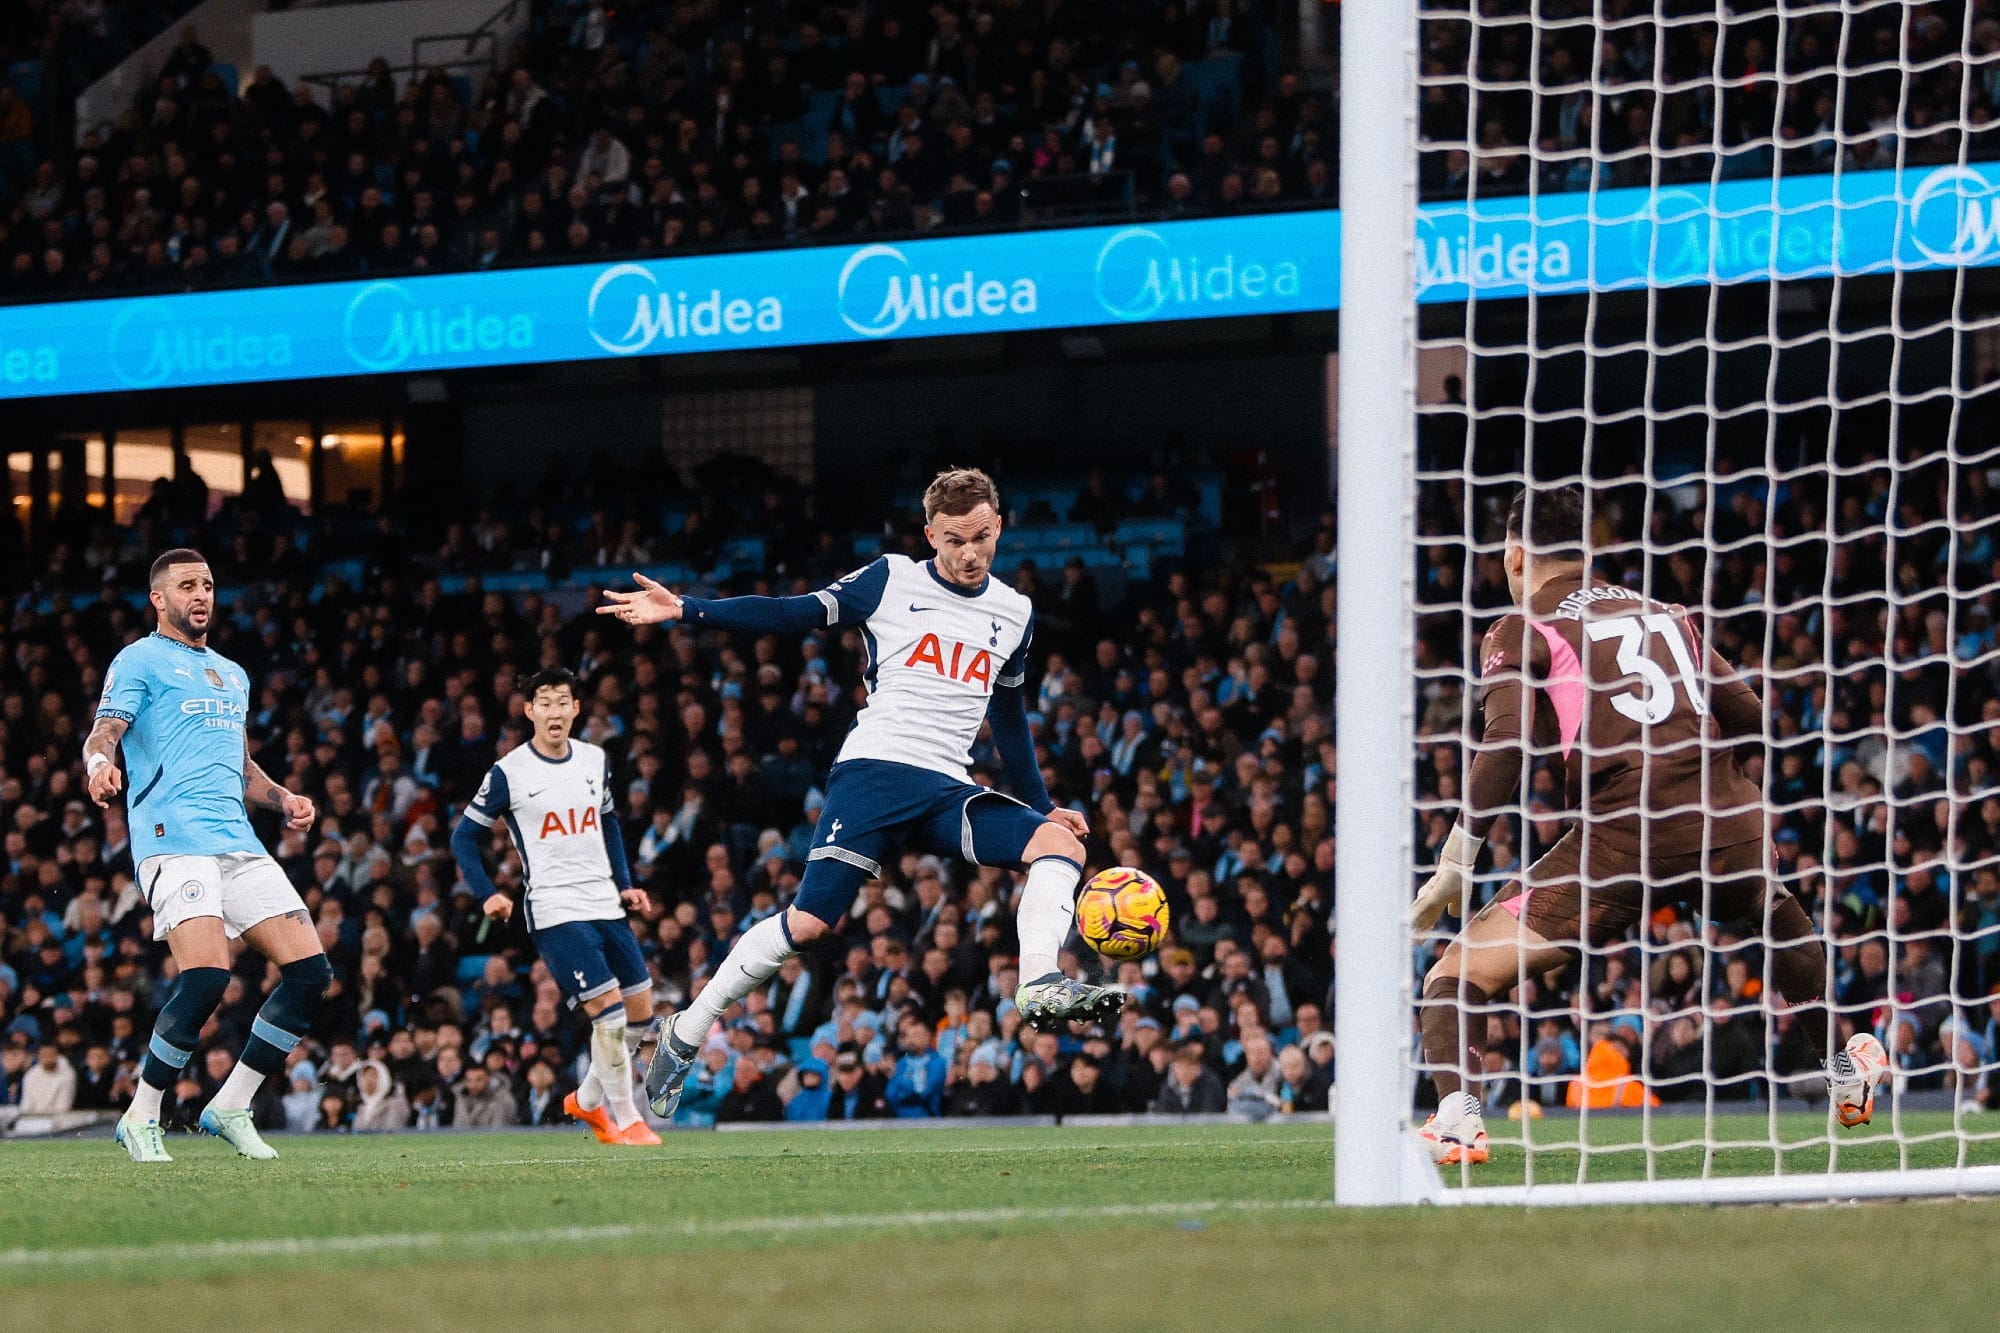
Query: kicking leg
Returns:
{"type": "Point", "coordinates": [1004, 832]}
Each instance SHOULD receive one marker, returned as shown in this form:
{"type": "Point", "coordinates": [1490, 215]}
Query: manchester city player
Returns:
{"type": "Point", "coordinates": [178, 707]}
{"type": "Point", "coordinates": [554, 796]}
{"type": "Point", "coordinates": [947, 649]}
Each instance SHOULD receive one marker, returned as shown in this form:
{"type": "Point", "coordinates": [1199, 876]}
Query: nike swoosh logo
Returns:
{"type": "Point", "coordinates": [915, 607]}
{"type": "Point", "coordinates": [533, 794]}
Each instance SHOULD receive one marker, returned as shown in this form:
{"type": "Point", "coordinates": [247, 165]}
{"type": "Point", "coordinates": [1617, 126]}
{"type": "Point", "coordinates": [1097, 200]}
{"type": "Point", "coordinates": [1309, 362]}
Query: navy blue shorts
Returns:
{"type": "Point", "coordinates": [874, 808]}
{"type": "Point", "coordinates": [593, 958]}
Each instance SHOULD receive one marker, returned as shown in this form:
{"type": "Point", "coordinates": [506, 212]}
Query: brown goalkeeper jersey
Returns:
{"type": "Point", "coordinates": [1619, 690]}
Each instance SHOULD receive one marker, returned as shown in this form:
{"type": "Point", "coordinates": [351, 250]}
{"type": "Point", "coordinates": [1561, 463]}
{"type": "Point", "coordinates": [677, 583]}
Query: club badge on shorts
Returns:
{"type": "Point", "coordinates": [191, 891]}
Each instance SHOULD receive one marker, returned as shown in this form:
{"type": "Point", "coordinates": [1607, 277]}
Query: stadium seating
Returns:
{"type": "Point", "coordinates": [1028, 157]}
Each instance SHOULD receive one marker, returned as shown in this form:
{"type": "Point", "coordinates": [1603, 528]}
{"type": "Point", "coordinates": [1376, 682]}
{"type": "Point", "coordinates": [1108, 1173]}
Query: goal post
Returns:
{"type": "Point", "coordinates": [1373, 706]}
{"type": "Point", "coordinates": [1721, 265]}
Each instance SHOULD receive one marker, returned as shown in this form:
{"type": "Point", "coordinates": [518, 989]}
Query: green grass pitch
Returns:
{"type": "Point", "coordinates": [1153, 1227]}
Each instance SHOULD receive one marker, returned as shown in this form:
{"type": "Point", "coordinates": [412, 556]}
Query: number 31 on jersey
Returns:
{"type": "Point", "coordinates": [1653, 700]}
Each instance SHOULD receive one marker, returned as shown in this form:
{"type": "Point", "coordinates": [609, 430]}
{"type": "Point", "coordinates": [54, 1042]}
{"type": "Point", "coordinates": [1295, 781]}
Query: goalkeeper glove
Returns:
{"type": "Point", "coordinates": [1445, 891]}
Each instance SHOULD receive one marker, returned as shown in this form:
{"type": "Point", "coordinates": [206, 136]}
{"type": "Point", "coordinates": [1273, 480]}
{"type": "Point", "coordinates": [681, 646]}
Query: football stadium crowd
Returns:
{"type": "Point", "coordinates": [656, 130]}
{"type": "Point", "coordinates": [1190, 719]}
{"type": "Point", "coordinates": [1559, 95]}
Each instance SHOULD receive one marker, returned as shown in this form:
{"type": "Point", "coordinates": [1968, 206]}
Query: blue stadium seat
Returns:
{"type": "Point", "coordinates": [228, 73]}
{"type": "Point", "coordinates": [1165, 535]}
{"type": "Point", "coordinates": [889, 98]}
{"type": "Point", "coordinates": [25, 78]}
{"type": "Point", "coordinates": [1209, 509]}
{"type": "Point", "coordinates": [744, 551]}
{"type": "Point", "coordinates": [471, 967]}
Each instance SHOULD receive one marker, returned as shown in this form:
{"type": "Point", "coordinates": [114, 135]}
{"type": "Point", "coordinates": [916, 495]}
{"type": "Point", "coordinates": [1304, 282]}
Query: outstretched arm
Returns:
{"type": "Point", "coordinates": [850, 601]}
{"type": "Point", "coordinates": [654, 603]}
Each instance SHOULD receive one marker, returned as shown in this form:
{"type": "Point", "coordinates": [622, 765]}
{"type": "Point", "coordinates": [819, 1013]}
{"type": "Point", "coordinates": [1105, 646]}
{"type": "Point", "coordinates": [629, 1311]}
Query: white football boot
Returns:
{"type": "Point", "coordinates": [1456, 1131]}
{"type": "Point", "coordinates": [1852, 1076]}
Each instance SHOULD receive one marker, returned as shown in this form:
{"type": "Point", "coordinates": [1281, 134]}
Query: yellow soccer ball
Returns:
{"type": "Point", "coordinates": [1122, 913]}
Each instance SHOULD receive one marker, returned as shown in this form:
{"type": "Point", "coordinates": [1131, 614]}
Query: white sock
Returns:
{"type": "Point", "coordinates": [635, 1037]}
{"type": "Point", "coordinates": [590, 1092]}
{"type": "Point", "coordinates": [611, 1066]}
{"type": "Point", "coordinates": [754, 961]}
{"type": "Point", "coordinates": [238, 1088]}
{"type": "Point", "coordinates": [146, 1102]}
{"type": "Point", "coordinates": [1048, 905]}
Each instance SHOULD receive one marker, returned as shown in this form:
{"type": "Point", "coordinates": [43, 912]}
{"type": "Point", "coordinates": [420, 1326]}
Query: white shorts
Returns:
{"type": "Point", "coordinates": [242, 888]}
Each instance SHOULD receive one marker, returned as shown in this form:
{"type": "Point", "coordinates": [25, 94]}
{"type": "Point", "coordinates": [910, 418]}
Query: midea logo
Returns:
{"type": "Point", "coordinates": [657, 316]}
{"type": "Point", "coordinates": [1139, 275]}
{"type": "Point", "coordinates": [149, 349]}
{"type": "Point", "coordinates": [879, 292]}
{"type": "Point", "coordinates": [385, 328]}
{"type": "Point", "coordinates": [1954, 217]}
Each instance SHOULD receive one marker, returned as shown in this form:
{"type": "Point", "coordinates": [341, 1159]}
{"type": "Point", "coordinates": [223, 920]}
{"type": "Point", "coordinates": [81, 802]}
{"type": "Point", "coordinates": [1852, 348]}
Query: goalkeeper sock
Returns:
{"type": "Point", "coordinates": [1048, 905]}
{"type": "Point", "coordinates": [1454, 1031]}
{"type": "Point", "coordinates": [754, 961]}
{"type": "Point", "coordinates": [1798, 970]}
{"type": "Point", "coordinates": [610, 1066]}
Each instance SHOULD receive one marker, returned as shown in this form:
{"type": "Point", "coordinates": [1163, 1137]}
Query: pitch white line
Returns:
{"type": "Point", "coordinates": [995, 1149]}
{"type": "Point", "coordinates": [288, 1247]}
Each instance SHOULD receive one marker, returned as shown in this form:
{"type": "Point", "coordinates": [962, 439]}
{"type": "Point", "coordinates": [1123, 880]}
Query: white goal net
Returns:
{"type": "Point", "coordinates": [1720, 266]}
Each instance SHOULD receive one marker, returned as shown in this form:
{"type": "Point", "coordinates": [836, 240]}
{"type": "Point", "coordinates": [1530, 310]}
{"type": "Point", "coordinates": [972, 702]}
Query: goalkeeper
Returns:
{"type": "Point", "coordinates": [1608, 679]}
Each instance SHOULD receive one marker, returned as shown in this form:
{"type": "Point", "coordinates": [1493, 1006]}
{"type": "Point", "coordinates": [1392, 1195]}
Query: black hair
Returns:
{"type": "Point", "coordinates": [1548, 521]}
{"type": "Point", "coordinates": [179, 555]}
{"type": "Point", "coordinates": [550, 678]}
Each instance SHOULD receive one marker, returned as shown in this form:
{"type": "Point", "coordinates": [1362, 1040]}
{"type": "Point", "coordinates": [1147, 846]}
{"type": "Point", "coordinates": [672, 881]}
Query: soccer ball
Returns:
{"type": "Point", "coordinates": [1122, 913]}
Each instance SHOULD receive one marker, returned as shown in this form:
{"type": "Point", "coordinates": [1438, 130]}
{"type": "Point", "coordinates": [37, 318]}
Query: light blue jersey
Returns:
{"type": "Point", "coordinates": [184, 748]}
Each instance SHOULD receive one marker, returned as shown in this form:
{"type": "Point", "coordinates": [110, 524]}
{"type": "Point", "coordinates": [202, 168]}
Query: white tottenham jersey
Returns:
{"type": "Point", "coordinates": [554, 809]}
{"type": "Point", "coordinates": [935, 652]}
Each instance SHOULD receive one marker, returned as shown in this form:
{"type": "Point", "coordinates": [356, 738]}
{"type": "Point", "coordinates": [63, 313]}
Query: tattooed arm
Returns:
{"type": "Point", "coordinates": [103, 778]}
{"type": "Point", "coordinates": [259, 790]}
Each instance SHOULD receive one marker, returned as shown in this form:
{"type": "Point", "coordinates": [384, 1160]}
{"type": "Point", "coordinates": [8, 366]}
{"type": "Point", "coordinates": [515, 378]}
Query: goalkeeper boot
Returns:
{"type": "Point", "coordinates": [237, 1129]}
{"type": "Point", "coordinates": [142, 1139]}
{"type": "Point", "coordinates": [1852, 1076]}
{"type": "Point", "coordinates": [673, 1061]}
{"type": "Point", "coordinates": [1050, 1001]}
{"type": "Point", "coordinates": [1456, 1131]}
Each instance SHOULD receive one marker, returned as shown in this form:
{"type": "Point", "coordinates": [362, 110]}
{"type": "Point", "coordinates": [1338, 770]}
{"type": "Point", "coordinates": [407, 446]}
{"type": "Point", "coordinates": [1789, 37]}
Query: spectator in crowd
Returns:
{"type": "Point", "coordinates": [1190, 1087]}
{"type": "Point", "coordinates": [485, 1101]}
{"type": "Point", "coordinates": [751, 1096]}
{"type": "Point", "coordinates": [49, 1085]}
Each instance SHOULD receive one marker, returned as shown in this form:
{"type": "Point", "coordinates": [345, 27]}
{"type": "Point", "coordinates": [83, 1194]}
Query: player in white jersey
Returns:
{"type": "Point", "coordinates": [947, 650]}
{"type": "Point", "coordinates": [175, 708]}
{"type": "Point", "coordinates": [554, 796]}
